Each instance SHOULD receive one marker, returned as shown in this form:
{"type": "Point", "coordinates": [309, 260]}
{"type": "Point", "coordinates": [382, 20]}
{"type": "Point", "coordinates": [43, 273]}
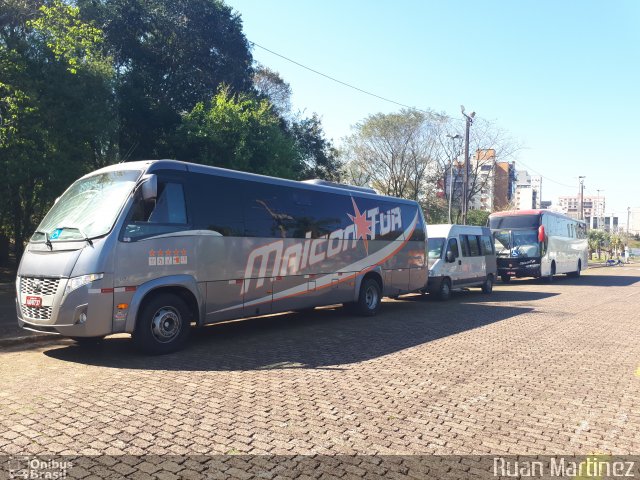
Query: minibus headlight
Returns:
{"type": "Point", "coordinates": [77, 282]}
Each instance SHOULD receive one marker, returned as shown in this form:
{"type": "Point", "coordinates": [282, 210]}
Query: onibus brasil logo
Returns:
{"type": "Point", "coordinates": [273, 259]}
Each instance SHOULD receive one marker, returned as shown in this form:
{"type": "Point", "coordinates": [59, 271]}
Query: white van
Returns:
{"type": "Point", "coordinates": [460, 256]}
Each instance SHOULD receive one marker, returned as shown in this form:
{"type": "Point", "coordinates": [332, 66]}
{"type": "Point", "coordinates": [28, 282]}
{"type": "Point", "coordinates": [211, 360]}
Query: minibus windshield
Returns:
{"type": "Point", "coordinates": [88, 208]}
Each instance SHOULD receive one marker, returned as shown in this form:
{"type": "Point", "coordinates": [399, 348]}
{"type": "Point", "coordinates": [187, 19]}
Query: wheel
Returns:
{"type": "Point", "coordinates": [487, 286]}
{"type": "Point", "coordinates": [370, 298]}
{"type": "Point", "coordinates": [444, 292]}
{"type": "Point", "coordinates": [163, 325]}
{"type": "Point", "coordinates": [87, 341]}
{"type": "Point", "coordinates": [505, 278]}
{"type": "Point", "coordinates": [552, 272]}
{"type": "Point", "coordinates": [577, 272]}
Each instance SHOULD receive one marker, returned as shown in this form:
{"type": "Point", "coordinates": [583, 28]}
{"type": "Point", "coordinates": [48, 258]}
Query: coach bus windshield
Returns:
{"type": "Point", "coordinates": [88, 208]}
{"type": "Point", "coordinates": [517, 243]}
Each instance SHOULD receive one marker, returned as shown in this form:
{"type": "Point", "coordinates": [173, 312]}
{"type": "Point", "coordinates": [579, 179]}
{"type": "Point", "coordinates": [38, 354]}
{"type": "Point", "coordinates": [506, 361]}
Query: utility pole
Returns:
{"type": "Point", "coordinates": [581, 178]}
{"type": "Point", "coordinates": [451, 182]}
{"type": "Point", "coordinates": [465, 186]}
{"type": "Point", "coordinates": [628, 219]}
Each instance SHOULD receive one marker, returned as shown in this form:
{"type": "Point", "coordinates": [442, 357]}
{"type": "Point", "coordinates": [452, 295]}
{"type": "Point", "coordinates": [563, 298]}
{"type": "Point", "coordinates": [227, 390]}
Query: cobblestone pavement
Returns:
{"type": "Point", "coordinates": [534, 368]}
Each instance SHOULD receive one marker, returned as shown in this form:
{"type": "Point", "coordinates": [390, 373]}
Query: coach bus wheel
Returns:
{"type": "Point", "coordinates": [552, 272]}
{"type": "Point", "coordinates": [577, 272]}
{"type": "Point", "coordinates": [444, 292]}
{"type": "Point", "coordinates": [370, 297]}
{"type": "Point", "coordinates": [505, 278]}
{"type": "Point", "coordinates": [163, 325]}
{"type": "Point", "coordinates": [487, 286]}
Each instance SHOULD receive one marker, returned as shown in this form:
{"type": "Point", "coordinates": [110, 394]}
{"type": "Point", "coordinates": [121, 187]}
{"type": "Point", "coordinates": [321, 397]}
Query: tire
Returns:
{"type": "Point", "coordinates": [552, 272]}
{"type": "Point", "coordinates": [369, 299]}
{"type": "Point", "coordinates": [576, 274]}
{"type": "Point", "coordinates": [444, 292]}
{"type": "Point", "coordinates": [505, 278]}
{"type": "Point", "coordinates": [487, 286]}
{"type": "Point", "coordinates": [163, 325]}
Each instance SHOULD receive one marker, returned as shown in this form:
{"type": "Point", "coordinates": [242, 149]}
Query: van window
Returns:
{"type": "Point", "coordinates": [464, 246]}
{"type": "Point", "coordinates": [486, 244]}
{"type": "Point", "coordinates": [435, 247]}
{"type": "Point", "coordinates": [474, 247]}
{"type": "Point", "coordinates": [452, 245]}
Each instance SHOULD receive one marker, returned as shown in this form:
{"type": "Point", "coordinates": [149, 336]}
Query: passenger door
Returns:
{"type": "Point", "coordinates": [453, 270]}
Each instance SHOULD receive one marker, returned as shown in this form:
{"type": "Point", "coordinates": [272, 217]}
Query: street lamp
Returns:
{"type": "Point", "coordinates": [453, 153]}
{"type": "Point", "coordinates": [465, 187]}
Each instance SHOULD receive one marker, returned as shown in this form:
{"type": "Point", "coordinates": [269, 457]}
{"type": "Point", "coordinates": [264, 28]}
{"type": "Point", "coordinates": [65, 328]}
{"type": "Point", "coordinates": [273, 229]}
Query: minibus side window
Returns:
{"type": "Point", "coordinates": [167, 214]}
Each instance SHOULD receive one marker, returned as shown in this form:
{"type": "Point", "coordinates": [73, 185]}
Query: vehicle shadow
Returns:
{"type": "Point", "coordinates": [582, 281]}
{"type": "Point", "coordinates": [475, 296]}
{"type": "Point", "coordinates": [324, 338]}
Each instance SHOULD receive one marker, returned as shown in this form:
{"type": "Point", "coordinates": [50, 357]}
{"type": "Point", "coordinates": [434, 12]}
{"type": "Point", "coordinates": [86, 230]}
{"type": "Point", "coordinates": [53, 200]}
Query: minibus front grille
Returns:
{"type": "Point", "coordinates": [39, 286]}
{"type": "Point", "coordinates": [33, 313]}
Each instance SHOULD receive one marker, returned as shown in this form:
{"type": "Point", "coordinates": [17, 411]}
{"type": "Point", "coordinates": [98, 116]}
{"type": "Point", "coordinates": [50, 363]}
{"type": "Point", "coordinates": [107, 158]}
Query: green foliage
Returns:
{"type": "Point", "coordinates": [169, 56]}
{"type": "Point", "coordinates": [69, 39]}
{"type": "Point", "coordinates": [317, 156]}
{"type": "Point", "coordinates": [477, 217]}
{"type": "Point", "coordinates": [597, 240]}
{"type": "Point", "coordinates": [239, 132]}
{"type": "Point", "coordinates": [435, 210]}
{"type": "Point", "coordinates": [55, 109]}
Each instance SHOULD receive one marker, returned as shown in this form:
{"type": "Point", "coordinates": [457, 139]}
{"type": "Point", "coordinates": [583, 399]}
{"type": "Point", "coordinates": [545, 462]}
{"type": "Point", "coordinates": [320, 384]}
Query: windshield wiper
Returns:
{"type": "Point", "coordinates": [47, 242]}
{"type": "Point", "coordinates": [84, 235]}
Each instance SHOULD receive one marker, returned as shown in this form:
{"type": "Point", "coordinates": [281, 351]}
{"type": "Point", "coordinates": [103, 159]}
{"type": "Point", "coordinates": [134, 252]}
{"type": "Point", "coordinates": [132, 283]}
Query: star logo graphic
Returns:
{"type": "Point", "coordinates": [362, 224]}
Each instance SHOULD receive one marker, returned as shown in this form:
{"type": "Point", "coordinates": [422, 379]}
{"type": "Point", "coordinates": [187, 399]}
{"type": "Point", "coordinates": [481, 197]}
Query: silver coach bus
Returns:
{"type": "Point", "coordinates": [150, 247]}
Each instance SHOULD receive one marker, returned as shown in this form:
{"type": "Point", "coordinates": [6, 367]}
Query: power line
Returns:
{"type": "Point", "coordinates": [333, 79]}
{"type": "Point", "coordinates": [544, 176]}
{"type": "Point", "coordinates": [340, 81]}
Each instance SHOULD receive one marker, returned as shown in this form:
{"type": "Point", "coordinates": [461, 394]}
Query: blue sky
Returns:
{"type": "Point", "coordinates": [561, 77]}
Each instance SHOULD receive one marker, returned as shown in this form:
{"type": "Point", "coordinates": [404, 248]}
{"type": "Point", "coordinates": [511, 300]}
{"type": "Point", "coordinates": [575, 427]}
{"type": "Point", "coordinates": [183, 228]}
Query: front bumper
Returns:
{"type": "Point", "coordinates": [63, 313]}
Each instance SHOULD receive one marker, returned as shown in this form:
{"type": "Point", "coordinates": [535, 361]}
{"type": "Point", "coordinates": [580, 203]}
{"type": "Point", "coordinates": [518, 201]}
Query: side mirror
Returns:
{"type": "Point", "coordinates": [449, 257]}
{"type": "Point", "coordinates": [541, 233]}
{"type": "Point", "coordinates": [149, 187]}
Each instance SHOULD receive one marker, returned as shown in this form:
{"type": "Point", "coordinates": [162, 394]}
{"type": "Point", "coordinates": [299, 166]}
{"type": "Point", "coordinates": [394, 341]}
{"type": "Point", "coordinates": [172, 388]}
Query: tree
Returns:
{"type": "Point", "coordinates": [270, 85]}
{"type": "Point", "coordinates": [597, 239]}
{"type": "Point", "coordinates": [317, 156]}
{"type": "Point", "coordinates": [169, 56]}
{"type": "Point", "coordinates": [237, 131]}
{"type": "Point", "coordinates": [56, 115]}
{"type": "Point", "coordinates": [477, 217]}
{"type": "Point", "coordinates": [395, 153]}
{"type": "Point", "coordinates": [488, 145]}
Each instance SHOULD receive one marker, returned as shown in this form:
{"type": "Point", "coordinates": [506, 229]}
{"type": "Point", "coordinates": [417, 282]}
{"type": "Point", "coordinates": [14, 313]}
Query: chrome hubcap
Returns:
{"type": "Point", "coordinates": [166, 324]}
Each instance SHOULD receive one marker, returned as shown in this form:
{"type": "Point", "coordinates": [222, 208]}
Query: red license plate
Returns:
{"type": "Point", "coordinates": [511, 273]}
{"type": "Point", "coordinates": [34, 302]}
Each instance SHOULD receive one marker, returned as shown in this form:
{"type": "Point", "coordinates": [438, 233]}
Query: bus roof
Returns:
{"type": "Point", "coordinates": [537, 211]}
{"type": "Point", "coordinates": [150, 166]}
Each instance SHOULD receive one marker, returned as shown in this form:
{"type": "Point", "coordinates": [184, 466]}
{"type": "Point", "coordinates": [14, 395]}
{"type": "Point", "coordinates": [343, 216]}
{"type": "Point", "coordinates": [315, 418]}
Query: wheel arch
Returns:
{"type": "Point", "coordinates": [376, 274]}
{"type": "Point", "coordinates": [185, 286]}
